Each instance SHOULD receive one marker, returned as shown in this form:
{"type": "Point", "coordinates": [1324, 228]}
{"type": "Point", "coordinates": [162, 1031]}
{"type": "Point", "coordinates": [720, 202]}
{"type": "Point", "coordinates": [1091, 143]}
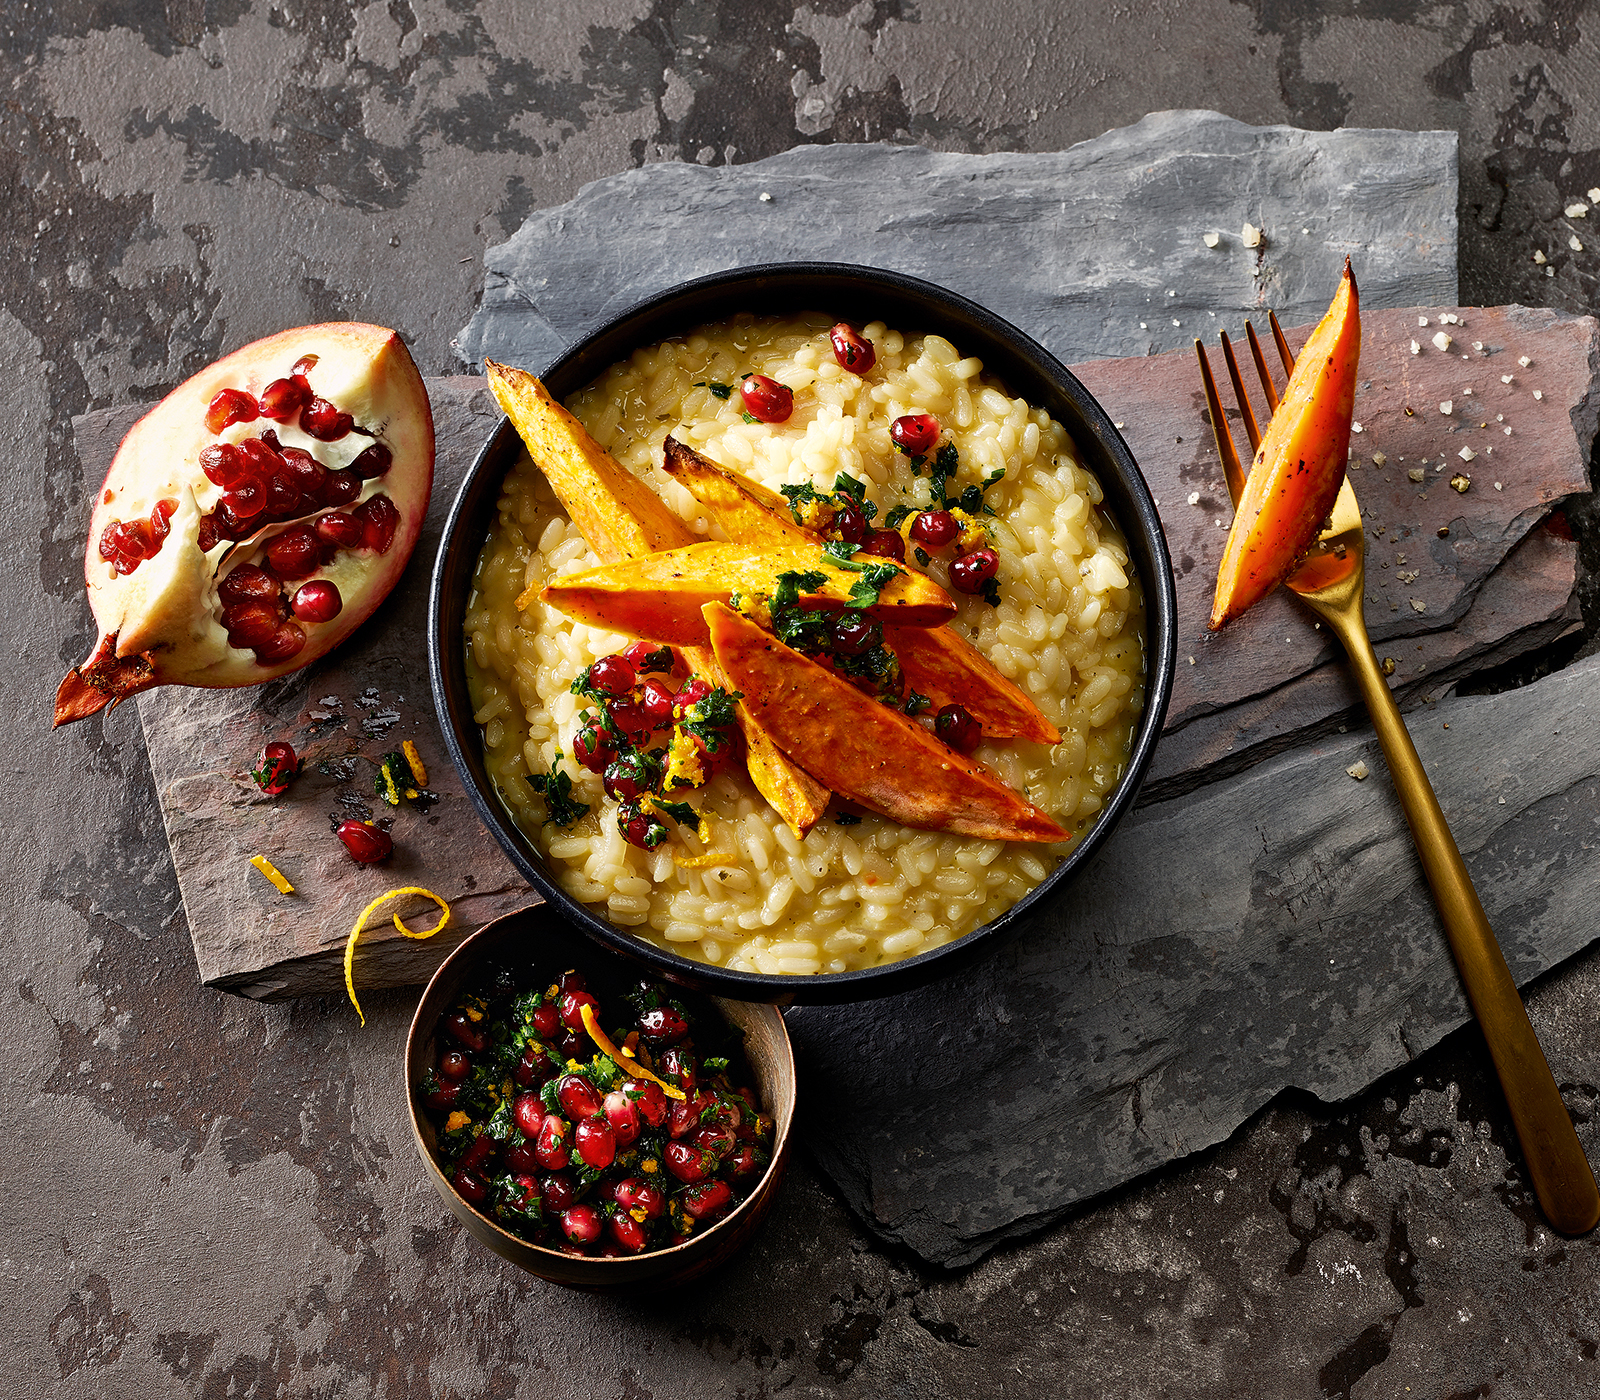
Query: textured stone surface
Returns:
{"type": "Point", "coordinates": [1269, 932]}
{"type": "Point", "coordinates": [212, 1196]}
{"type": "Point", "coordinates": [1094, 251]}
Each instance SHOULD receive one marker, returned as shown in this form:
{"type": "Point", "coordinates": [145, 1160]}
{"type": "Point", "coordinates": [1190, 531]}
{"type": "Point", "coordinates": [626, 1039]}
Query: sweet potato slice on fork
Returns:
{"type": "Point", "coordinates": [622, 518]}
{"type": "Point", "coordinates": [863, 750]}
{"type": "Point", "coordinates": [936, 661]}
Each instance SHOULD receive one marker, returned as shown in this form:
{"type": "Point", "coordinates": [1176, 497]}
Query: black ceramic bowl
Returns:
{"type": "Point", "coordinates": [855, 294]}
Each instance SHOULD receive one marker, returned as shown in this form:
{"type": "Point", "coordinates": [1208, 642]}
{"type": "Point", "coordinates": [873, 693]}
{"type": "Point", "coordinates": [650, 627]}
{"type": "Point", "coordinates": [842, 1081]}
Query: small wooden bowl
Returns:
{"type": "Point", "coordinates": [539, 937]}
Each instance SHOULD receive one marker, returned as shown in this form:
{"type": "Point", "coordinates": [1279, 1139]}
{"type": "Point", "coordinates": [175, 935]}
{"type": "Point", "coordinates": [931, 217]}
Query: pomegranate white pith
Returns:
{"type": "Point", "coordinates": [160, 617]}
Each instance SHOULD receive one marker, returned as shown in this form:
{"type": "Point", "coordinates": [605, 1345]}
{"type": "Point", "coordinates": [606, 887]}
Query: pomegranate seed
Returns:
{"type": "Point", "coordinates": [558, 1191]}
{"type": "Point", "coordinates": [635, 1193]}
{"type": "Point", "coordinates": [570, 1009]}
{"type": "Point", "coordinates": [767, 399]}
{"type": "Point", "coordinates": [613, 675]}
{"type": "Point", "coordinates": [631, 719]}
{"type": "Point", "coordinates": [647, 656]}
{"type": "Point", "coordinates": [855, 635]}
{"type": "Point", "coordinates": [714, 1137]}
{"type": "Point", "coordinates": [889, 544]}
{"type": "Point", "coordinates": [283, 495]}
{"type": "Point", "coordinates": [685, 1115]}
{"type": "Point", "coordinates": [971, 571]}
{"type": "Point", "coordinates": [307, 473]}
{"type": "Point", "coordinates": [341, 488]}
{"type": "Point", "coordinates": [687, 1162]}
{"type": "Point", "coordinates": [663, 1025]}
{"type": "Point", "coordinates": [656, 701]}
{"type": "Point", "coordinates": [469, 1032]}
{"type": "Point", "coordinates": [522, 1192]}
{"type": "Point", "coordinates": [295, 553]}
{"type": "Point", "coordinates": [709, 1201]}
{"type": "Point", "coordinates": [534, 1068]}
{"type": "Point", "coordinates": [572, 981]}
{"type": "Point", "coordinates": [678, 1066]}
{"type": "Point", "coordinates": [365, 843]}
{"type": "Point", "coordinates": [443, 1097]}
{"type": "Point", "coordinates": [545, 1020]}
{"type": "Point", "coordinates": [914, 434]}
{"type": "Point", "coordinates": [742, 1164]}
{"type": "Point", "coordinates": [851, 525]}
{"type": "Point", "coordinates": [260, 457]}
{"type": "Point", "coordinates": [481, 1150]}
{"type": "Point", "coordinates": [223, 464]}
{"type": "Point", "coordinates": [206, 535]}
{"type": "Point", "coordinates": [623, 1115]}
{"type": "Point", "coordinates": [579, 1098]}
{"type": "Point", "coordinates": [161, 520]}
{"type": "Point", "coordinates": [596, 1143]}
{"type": "Point", "coordinates": [691, 693]}
{"type": "Point", "coordinates": [231, 406]}
{"type": "Point", "coordinates": [470, 1186]}
{"type": "Point", "coordinates": [453, 1064]}
{"type": "Point", "coordinates": [275, 769]}
{"type": "Point", "coordinates": [628, 777]}
{"type": "Point", "coordinates": [303, 366]}
{"type": "Point", "coordinates": [647, 1097]}
{"type": "Point", "coordinates": [629, 1233]}
{"type": "Point", "coordinates": [551, 1146]}
{"type": "Point", "coordinates": [250, 625]}
{"type": "Point", "coordinates": [321, 420]}
{"type": "Point", "coordinates": [582, 1224]}
{"type": "Point", "coordinates": [935, 528]}
{"type": "Point", "coordinates": [958, 728]}
{"type": "Point", "coordinates": [380, 520]}
{"type": "Point", "coordinates": [639, 828]}
{"type": "Point", "coordinates": [852, 350]}
{"type": "Point", "coordinates": [245, 501]}
{"type": "Point", "coordinates": [283, 398]}
{"type": "Point", "coordinates": [375, 461]}
{"type": "Point", "coordinates": [317, 601]}
{"type": "Point", "coordinates": [339, 528]}
{"type": "Point", "coordinates": [528, 1110]}
{"type": "Point", "coordinates": [593, 747]}
{"type": "Point", "coordinates": [520, 1157]}
{"type": "Point", "coordinates": [247, 584]}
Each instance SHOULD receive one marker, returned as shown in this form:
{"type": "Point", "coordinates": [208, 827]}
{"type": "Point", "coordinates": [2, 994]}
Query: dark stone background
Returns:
{"type": "Point", "coordinates": [212, 1197]}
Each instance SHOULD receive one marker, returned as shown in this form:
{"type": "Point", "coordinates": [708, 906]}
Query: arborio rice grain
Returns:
{"type": "Point", "coordinates": [1069, 630]}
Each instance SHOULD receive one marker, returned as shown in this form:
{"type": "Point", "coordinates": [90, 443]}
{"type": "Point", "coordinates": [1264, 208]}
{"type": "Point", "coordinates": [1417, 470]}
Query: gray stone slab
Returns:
{"type": "Point", "coordinates": [1095, 251]}
{"type": "Point", "coordinates": [1271, 931]}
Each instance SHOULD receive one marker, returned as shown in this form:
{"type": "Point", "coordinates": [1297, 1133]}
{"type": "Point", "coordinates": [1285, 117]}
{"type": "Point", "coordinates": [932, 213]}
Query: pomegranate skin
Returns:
{"type": "Point", "coordinates": [160, 624]}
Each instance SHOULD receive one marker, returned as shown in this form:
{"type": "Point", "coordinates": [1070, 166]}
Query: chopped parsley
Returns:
{"type": "Point", "coordinates": [991, 592]}
{"type": "Point", "coordinates": [840, 551]}
{"type": "Point", "coordinates": [846, 819]}
{"type": "Point", "coordinates": [556, 789]}
{"type": "Point", "coordinates": [680, 812]}
{"type": "Point", "coordinates": [946, 463]}
{"type": "Point", "coordinates": [898, 515]}
{"type": "Point", "coordinates": [923, 557]}
{"type": "Point", "coordinates": [749, 417]}
{"type": "Point", "coordinates": [916, 704]}
{"type": "Point", "coordinates": [846, 485]}
{"type": "Point", "coordinates": [866, 589]}
{"type": "Point", "coordinates": [710, 717]}
{"type": "Point", "coordinates": [718, 388]}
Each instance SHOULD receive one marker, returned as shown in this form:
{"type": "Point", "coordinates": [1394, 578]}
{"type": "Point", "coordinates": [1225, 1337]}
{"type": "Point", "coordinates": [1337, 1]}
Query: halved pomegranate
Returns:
{"type": "Point", "coordinates": [297, 468]}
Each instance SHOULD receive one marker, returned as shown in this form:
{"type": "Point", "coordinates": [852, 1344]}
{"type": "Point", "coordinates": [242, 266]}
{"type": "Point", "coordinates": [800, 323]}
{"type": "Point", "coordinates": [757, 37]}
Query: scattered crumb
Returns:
{"type": "Point", "coordinates": [1460, 483]}
{"type": "Point", "coordinates": [1388, 662]}
{"type": "Point", "coordinates": [1210, 240]}
{"type": "Point", "coordinates": [1378, 459]}
{"type": "Point", "coordinates": [1356, 428]}
{"type": "Point", "coordinates": [1525, 362]}
{"type": "Point", "coordinates": [1442, 341]}
{"type": "Point", "coordinates": [1443, 532]}
{"type": "Point", "coordinates": [1415, 348]}
{"type": "Point", "coordinates": [1466, 454]}
{"type": "Point", "coordinates": [1575, 243]}
{"type": "Point", "coordinates": [1194, 498]}
{"type": "Point", "coordinates": [1447, 407]}
{"type": "Point", "coordinates": [1417, 605]}
{"type": "Point", "coordinates": [1416, 474]}
{"type": "Point", "coordinates": [1191, 661]}
{"type": "Point", "coordinates": [1538, 256]}
{"type": "Point", "coordinates": [1358, 770]}
{"type": "Point", "coordinates": [1576, 210]}
{"type": "Point", "coordinates": [1538, 393]}
{"type": "Point", "coordinates": [1250, 236]}
{"type": "Point", "coordinates": [1408, 575]}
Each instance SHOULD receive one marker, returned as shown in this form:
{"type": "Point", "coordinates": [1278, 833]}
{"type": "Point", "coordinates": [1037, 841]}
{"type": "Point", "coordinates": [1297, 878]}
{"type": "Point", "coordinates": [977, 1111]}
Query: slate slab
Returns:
{"type": "Point", "coordinates": [1095, 251]}
{"type": "Point", "coordinates": [1271, 930]}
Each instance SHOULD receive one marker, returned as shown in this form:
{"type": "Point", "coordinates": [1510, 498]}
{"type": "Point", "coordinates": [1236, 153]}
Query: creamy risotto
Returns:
{"type": "Point", "coordinates": [1069, 629]}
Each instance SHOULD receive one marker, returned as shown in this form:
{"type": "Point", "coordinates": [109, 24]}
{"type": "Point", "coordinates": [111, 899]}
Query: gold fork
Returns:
{"type": "Point", "coordinates": [1331, 581]}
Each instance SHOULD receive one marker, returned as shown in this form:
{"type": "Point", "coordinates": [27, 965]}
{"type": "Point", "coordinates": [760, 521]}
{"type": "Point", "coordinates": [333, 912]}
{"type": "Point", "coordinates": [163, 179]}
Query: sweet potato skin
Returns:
{"type": "Point", "coordinates": [622, 518]}
{"type": "Point", "coordinates": [935, 661]}
{"type": "Point", "coordinates": [1299, 466]}
{"type": "Point", "coordinates": [863, 750]}
{"type": "Point", "coordinates": [660, 596]}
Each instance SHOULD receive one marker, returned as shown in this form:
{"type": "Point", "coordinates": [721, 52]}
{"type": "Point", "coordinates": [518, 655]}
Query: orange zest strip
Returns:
{"type": "Point", "coordinates": [267, 868]}
{"type": "Point", "coordinates": [361, 923]}
{"type": "Point", "coordinates": [622, 1058]}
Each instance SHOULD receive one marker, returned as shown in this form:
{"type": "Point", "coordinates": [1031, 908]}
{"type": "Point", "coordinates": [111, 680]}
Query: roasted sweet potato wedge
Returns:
{"type": "Point", "coordinates": [618, 514]}
{"type": "Point", "coordinates": [622, 518]}
{"type": "Point", "coordinates": [1299, 466]}
{"type": "Point", "coordinates": [936, 661]}
{"type": "Point", "coordinates": [863, 750]}
{"type": "Point", "coordinates": [660, 596]}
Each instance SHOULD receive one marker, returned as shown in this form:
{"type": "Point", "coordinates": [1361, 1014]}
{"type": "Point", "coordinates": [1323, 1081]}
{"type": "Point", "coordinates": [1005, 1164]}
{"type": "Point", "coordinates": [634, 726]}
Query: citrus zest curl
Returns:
{"type": "Point", "coordinates": [360, 924]}
{"type": "Point", "coordinates": [623, 1059]}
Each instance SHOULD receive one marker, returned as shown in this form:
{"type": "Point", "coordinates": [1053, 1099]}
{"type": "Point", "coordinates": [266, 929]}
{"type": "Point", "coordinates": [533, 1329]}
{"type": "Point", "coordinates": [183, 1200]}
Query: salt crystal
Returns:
{"type": "Point", "coordinates": [1422, 320]}
{"type": "Point", "coordinates": [1250, 236]}
{"type": "Point", "coordinates": [1210, 240]}
{"type": "Point", "coordinates": [1524, 362]}
{"type": "Point", "coordinates": [1505, 378]}
{"type": "Point", "coordinates": [1358, 770]}
{"type": "Point", "coordinates": [1417, 605]}
{"type": "Point", "coordinates": [1538, 256]}
{"type": "Point", "coordinates": [1447, 407]}
{"type": "Point", "coordinates": [1194, 498]}
{"type": "Point", "coordinates": [1416, 474]}
{"type": "Point", "coordinates": [1538, 393]}
{"type": "Point", "coordinates": [1466, 454]}
{"type": "Point", "coordinates": [1415, 348]}
{"type": "Point", "coordinates": [1468, 392]}
{"type": "Point", "coordinates": [1117, 426]}
{"type": "Point", "coordinates": [764, 197]}
{"type": "Point", "coordinates": [1576, 211]}
{"type": "Point", "coordinates": [1594, 196]}
{"type": "Point", "coordinates": [1176, 321]}
{"type": "Point", "coordinates": [1575, 243]}
{"type": "Point", "coordinates": [1378, 459]}
{"type": "Point", "coordinates": [1549, 272]}
{"type": "Point", "coordinates": [1442, 341]}
{"type": "Point", "coordinates": [1356, 428]}
{"type": "Point", "coordinates": [1478, 346]}
{"type": "Point", "coordinates": [1499, 486]}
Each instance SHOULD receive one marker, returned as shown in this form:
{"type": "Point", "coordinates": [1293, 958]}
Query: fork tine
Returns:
{"type": "Point", "coordinates": [1261, 366]}
{"type": "Point", "coordinates": [1231, 468]}
{"type": "Point", "coordinates": [1283, 345]}
{"type": "Point", "coordinates": [1246, 412]}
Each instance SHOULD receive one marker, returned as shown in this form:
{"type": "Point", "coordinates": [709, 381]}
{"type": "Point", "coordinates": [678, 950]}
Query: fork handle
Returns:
{"type": "Point", "coordinates": [1560, 1172]}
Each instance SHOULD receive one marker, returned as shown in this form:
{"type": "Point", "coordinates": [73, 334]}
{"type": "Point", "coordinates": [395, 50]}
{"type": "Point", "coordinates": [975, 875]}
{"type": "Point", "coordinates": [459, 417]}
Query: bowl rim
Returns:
{"type": "Point", "coordinates": [511, 1244]}
{"type": "Point", "coordinates": [446, 651]}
